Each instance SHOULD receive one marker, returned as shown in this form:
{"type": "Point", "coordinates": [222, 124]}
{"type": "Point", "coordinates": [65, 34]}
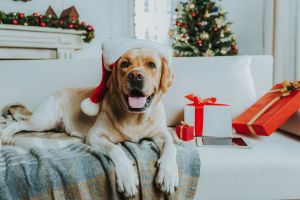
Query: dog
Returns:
{"type": "Point", "coordinates": [131, 110]}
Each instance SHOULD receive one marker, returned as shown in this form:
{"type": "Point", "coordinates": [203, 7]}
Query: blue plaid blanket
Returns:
{"type": "Point", "coordinates": [78, 171]}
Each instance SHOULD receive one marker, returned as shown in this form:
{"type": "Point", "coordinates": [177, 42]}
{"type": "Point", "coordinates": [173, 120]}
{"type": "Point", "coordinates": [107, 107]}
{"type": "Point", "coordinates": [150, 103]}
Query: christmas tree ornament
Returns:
{"type": "Point", "coordinates": [199, 42]}
{"type": "Point", "coordinates": [227, 29]}
{"type": "Point", "coordinates": [192, 5]}
{"type": "Point", "coordinates": [222, 34]}
{"type": "Point", "coordinates": [233, 47]}
{"type": "Point", "coordinates": [208, 53]}
{"type": "Point", "coordinates": [221, 11]}
{"type": "Point", "coordinates": [204, 36]}
{"type": "Point", "coordinates": [206, 15]}
{"type": "Point", "coordinates": [25, 24]}
{"type": "Point", "coordinates": [201, 29]}
{"type": "Point", "coordinates": [233, 38]}
{"type": "Point", "coordinates": [220, 22]}
{"type": "Point", "coordinates": [112, 50]}
{"type": "Point", "coordinates": [223, 51]}
{"type": "Point", "coordinates": [70, 26]}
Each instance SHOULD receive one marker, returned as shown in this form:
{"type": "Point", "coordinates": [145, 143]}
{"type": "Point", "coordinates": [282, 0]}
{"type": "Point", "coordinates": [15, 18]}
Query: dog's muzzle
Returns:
{"type": "Point", "coordinates": [136, 100]}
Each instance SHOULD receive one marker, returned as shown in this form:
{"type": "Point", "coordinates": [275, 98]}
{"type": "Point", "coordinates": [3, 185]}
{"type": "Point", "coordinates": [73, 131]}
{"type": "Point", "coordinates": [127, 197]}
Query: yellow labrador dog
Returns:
{"type": "Point", "coordinates": [130, 111]}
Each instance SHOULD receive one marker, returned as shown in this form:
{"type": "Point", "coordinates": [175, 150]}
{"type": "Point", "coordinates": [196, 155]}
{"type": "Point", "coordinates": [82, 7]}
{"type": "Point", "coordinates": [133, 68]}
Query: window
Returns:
{"type": "Point", "coordinates": [152, 19]}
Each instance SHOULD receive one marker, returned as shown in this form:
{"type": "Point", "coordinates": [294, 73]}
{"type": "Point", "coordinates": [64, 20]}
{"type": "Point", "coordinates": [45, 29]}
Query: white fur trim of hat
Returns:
{"type": "Point", "coordinates": [113, 49]}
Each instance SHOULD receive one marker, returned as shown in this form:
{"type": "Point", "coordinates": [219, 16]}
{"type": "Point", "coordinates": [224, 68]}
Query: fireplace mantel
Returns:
{"type": "Point", "coordinates": [30, 42]}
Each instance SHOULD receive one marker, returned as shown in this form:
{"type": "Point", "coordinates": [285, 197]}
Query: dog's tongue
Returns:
{"type": "Point", "coordinates": [137, 102]}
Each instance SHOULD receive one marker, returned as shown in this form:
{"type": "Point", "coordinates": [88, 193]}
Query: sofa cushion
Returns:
{"type": "Point", "coordinates": [227, 78]}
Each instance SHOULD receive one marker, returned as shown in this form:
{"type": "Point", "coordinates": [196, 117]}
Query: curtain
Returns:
{"type": "Point", "coordinates": [286, 40]}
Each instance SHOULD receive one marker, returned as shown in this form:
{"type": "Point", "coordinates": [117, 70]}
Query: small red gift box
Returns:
{"type": "Point", "coordinates": [185, 132]}
{"type": "Point", "coordinates": [270, 111]}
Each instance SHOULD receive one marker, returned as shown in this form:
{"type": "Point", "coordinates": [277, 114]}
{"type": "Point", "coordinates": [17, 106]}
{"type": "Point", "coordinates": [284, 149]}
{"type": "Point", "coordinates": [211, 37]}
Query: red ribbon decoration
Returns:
{"type": "Point", "coordinates": [199, 104]}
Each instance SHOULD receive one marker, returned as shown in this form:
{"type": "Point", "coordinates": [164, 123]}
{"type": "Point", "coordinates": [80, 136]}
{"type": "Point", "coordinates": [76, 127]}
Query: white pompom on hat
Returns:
{"type": "Point", "coordinates": [112, 50]}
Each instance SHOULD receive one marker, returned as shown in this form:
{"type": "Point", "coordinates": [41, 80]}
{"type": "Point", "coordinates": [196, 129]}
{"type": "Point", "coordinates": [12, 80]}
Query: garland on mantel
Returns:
{"type": "Point", "coordinates": [37, 19]}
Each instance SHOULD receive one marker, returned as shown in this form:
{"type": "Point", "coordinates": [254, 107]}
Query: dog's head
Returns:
{"type": "Point", "coordinates": [140, 77]}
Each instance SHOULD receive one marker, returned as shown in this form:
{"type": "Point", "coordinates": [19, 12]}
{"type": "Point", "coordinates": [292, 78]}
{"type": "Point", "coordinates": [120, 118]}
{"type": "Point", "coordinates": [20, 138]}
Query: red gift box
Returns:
{"type": "Point", "coordinates": [185, 132]}
{"type": "Point", "coordinates": [270, 111]}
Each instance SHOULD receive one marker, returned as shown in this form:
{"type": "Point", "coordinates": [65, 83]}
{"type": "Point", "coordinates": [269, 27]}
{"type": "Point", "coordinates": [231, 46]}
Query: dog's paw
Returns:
{"type": "Point", "coordinates": [167, 179]}
{"type": "Point", "coordinates": [7, 139]}
{"type": "Point", "coordinates": [127, 180]}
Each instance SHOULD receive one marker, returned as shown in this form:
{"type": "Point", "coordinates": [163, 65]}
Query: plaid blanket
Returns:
{"type": "Point", "coordinates": [78, 171]}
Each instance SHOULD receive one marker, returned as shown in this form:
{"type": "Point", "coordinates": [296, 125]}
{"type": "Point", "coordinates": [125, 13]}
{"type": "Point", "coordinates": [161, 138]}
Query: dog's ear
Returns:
{"type": "Point", "coordinates": [167, 75]}
{"type": "Point", "coordinates": [112, 79]}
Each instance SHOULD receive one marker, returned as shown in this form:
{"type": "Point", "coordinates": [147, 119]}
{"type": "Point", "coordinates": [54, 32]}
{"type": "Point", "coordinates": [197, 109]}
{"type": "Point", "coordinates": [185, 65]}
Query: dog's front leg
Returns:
{"type": "Point", "coordinates": [126, 177]}
{"type": "Point", "coordinates": [167, 178]}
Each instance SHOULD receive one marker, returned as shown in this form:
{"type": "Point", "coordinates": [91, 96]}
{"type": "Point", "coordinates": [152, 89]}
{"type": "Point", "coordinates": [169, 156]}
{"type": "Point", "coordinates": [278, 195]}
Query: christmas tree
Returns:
{"type": "Point", "coordinates": [201, 29]}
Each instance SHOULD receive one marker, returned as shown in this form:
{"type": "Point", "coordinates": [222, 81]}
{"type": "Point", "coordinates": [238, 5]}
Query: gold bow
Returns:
{"type": "Point", "coordinates": [288, 87]}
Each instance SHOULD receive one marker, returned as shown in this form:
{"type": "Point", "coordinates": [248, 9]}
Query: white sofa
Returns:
{"type": "Point", "coordinates": [270, 170]}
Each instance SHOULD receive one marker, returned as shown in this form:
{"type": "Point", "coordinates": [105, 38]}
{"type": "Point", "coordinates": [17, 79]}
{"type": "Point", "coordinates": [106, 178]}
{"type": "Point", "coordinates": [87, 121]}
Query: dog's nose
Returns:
{"type": "Point", "coordinates": [136, 76]}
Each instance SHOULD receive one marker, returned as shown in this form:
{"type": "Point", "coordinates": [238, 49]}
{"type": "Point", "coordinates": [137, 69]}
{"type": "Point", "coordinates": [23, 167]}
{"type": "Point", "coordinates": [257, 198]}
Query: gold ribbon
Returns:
{"type": "Point", "coordinates": [288, 87]}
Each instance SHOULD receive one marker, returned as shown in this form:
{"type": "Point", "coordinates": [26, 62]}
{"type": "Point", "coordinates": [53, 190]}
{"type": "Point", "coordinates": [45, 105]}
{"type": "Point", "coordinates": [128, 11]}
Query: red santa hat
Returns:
{"type": "Point", "coordinates": [112, 50]}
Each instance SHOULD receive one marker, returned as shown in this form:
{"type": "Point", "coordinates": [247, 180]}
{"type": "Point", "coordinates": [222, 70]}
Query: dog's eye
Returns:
{"type": "Point", "coordinates": [151, 65]}
{"type": "Point", "coordinates": [125, 64]}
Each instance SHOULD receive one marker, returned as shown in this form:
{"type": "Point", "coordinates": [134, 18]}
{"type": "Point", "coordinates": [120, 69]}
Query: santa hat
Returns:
{"type": "Point", "coordinates": [112, 50]}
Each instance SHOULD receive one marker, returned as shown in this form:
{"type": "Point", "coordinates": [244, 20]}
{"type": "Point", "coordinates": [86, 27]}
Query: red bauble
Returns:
{"type": "Point", "coordinates": [215, 29]}
{"type": "Point", "coordinates": [90, 28]}
{"type": "Point", "coordinates": [60, 22]}
{"type": "Point", "coordinates": [21, 15]}
{"type": "Point", "coordinates": [41, 16]}
{"type": "Point", "coordinates": [52, 22]}
{"type": "Point", "coordinates": [234, 51]}
{"type": "Point", "coordinates": [193, 14]}
{"type": "Point", "coordinates": [43, 24]}
{"type": "Point", "coordinates": [14, 21]}
{"type": "Point", "coordinates": [178, 23]}
{"type": "Point", "coordinates": [185, 25]}
{"type": "Point", "coordinates": [200, 23]}
{"type": "Point", "coordinates": [37, 20]}
{"type": "Point", "coordinates": [233, 47]}
{"type": "Point", "coordinates": [83, 23]}
{"type": "Point", "coordinates": [199, 42]}
{"type": "Point", "coordinates": [70, 26]}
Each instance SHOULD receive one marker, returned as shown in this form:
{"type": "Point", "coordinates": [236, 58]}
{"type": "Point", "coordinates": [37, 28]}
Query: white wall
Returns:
{"type": "Point", "coordinates": [248, 24]}
{"type": "Point", "coordinates": [111, 18]}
